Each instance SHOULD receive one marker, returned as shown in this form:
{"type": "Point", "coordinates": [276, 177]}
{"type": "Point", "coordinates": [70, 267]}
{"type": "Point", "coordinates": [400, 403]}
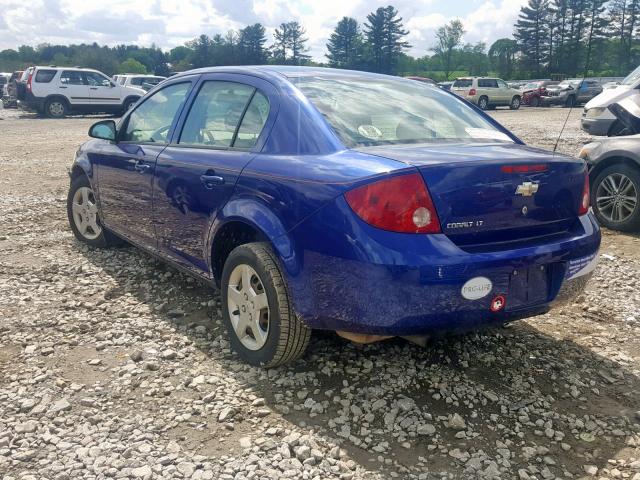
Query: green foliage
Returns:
{"type": "Point", "coordinates": [384, 35]}
{"type": "Point", "coordinates": [560, 38]}
{"type": "Point", "coordinates": [449, 37]}
{"type": "Point", "coordinates": [290, 44]}
{"type": "Point", "coordinates": [345, 45]}
{"type": "Point", "coordinates": [131, 65]}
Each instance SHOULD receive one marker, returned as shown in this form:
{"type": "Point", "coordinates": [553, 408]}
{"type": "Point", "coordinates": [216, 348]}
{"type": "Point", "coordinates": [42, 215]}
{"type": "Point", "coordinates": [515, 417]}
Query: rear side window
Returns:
{"type": "Point", "coordinates": [152, 120]}
{"type": "Point", "coordinates": [487, 83]}
{"type": "Point", "coordinates": [252, 122]}
{"type": "Point", "coordinates": [463, 83]}
{"type": "Point", "coordinates": [72, 77]}
{"type": "Point", "coordinates": [45, 76]}
{"type": "Point", "coordinates": [215, 114]}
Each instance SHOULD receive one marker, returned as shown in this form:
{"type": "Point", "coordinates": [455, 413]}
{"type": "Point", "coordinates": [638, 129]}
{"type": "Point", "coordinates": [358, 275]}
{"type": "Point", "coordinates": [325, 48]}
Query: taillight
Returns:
{"type": "Point", "coordinates": [585, 200]}
{"type": "Point", "coordinates": [398, 204]}
{"type": "Point", "coordinates": [472, 92]}
{"type": "Point", "coordinates": [29, 80]}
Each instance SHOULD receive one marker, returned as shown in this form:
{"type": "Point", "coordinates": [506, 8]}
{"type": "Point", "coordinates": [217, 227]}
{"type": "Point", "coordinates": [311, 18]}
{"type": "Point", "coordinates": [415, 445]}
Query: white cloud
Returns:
{"type": "Point", "coordinates": [168, 23]}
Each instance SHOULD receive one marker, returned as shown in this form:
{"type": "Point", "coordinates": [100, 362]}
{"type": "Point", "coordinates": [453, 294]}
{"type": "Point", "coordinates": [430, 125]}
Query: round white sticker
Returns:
{"type": "Point", "coordinates": [476, 288]}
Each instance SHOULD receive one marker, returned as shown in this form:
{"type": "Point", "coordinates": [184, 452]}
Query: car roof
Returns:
{"type": "Point", "coordinates": [55, 67]}
{"type": "Point", "coordinates": [287, 72]}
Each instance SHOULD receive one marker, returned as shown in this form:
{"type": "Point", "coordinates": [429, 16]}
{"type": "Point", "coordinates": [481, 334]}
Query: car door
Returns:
{"type": "Point", "coordinates": [73, 85]}
{"type": "Point", "coordinates": [102, 90]}
{"type": "Point", "coordinates": [196, 174]}
{"type": "Point", "coordinates": [125, 167]}
{"type": "Point", "coordinates": [504, 92]}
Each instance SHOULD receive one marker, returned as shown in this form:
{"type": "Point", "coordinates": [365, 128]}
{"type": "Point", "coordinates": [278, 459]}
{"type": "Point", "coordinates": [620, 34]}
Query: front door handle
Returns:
{"type": "Point", "coordinates": [210, 181]}
{"type": "Point", "coordinates": [142, 167]}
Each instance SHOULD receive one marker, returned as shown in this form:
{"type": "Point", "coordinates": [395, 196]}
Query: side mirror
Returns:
{"type": "Point", "coordinates": [104, 130]}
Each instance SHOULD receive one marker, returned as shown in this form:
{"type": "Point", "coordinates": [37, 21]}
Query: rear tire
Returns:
{"type": "Point", "coordinates": [515, 103]}
{"type": "Point", "coordinates": [483, 103]}
{"type": "Point", "coordinates": [626, 218]}
{"type": "Point", "coordinates": [263, 333]}
{"type": "Point", "coordinates": [56, 108]}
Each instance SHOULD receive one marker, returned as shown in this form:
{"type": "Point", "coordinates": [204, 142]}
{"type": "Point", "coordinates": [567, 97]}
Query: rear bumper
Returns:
{"type": "Point", "coordinates": [360, 279]}
{"type": "Point", "coordinates": [555, 100]}
{"type": "Point", "coordinates": [597, 126]}
{"type": "Point", "coordinates": [31, 102]}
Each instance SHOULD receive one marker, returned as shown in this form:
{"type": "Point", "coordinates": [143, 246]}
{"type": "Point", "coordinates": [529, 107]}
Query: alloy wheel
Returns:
{"type": "Point", "coordinates": [248, 307]}
{"type": "Point", "coordinates": [85, 213]}
{"type": "Point", "coordinates": [56, 109]}
{"type": "Point", "coordinates": [616, 197]}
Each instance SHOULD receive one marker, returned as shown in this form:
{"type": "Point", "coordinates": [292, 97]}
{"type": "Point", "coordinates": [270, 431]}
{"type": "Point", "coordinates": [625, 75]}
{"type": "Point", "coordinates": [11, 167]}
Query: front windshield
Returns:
{"type": "Point", "coordinates": [632, 78]}
{"type": "Point", "coordinates": [375, 110]}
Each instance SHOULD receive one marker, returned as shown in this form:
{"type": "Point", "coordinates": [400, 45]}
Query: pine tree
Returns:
{"type": "Point", "coordinates": [384, 33]}
{"type": "Point", "coordinates": [345, 45]}
{"type": "Point", "coordinates": [532, 35]}
{"type": "Point", "coordinates": [251, 45]}
{"type": "Point", "coordinates": [290, 44]}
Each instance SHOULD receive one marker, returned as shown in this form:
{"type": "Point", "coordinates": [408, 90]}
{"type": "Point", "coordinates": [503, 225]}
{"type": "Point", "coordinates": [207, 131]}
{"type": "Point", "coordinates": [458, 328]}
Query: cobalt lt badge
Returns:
{"type": "Point", "coordinates": [527, 189]}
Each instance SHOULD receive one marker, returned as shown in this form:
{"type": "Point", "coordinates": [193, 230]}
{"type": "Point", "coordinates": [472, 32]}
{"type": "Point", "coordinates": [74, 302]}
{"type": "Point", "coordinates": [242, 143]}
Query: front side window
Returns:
{"type": "Point", "coordinates": [97, 80]}
{"type": "Point", "coordinates": [215, 114]}
{"type": "Point", "coordinates": [373, 110]}
{"type": "Point", "coordinates": [72, 77]}
{"type": "Point", "coordinates": [152, 120]}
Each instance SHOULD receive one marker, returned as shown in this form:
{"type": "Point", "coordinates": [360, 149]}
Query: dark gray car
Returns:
{"type": "Point", "coordinates": [614, 171]}
{"type": "Point", "coordinates": [571, 92]}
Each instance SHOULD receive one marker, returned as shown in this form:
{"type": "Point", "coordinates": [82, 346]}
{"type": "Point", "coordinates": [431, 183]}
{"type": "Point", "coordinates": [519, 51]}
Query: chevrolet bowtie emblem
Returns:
{"type": "Point", "coordinates": [527, 189]}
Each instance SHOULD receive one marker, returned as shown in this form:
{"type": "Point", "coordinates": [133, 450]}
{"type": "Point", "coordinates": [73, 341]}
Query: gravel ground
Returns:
{"type": "Point", "coordinates": [113, 365]}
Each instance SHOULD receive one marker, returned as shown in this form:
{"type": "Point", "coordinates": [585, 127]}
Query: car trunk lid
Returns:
{"type": "Point", "coordinates": [496, 193]}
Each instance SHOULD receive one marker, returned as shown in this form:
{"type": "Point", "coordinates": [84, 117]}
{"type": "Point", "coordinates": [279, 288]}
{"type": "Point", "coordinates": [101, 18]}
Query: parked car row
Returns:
{"type": "Point", "coordinates": [59, 91]}
{"type": "Point", "coordinates": [487, 92]}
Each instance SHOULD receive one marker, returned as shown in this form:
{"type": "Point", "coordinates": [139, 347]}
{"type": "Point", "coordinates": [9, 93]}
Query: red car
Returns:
{"type": "Point", "coordinates": [532, 92]}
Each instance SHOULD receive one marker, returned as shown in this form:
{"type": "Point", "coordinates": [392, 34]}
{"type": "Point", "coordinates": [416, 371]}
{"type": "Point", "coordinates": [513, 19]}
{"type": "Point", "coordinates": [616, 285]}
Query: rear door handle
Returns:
{"type": "Point", "coordinates": [62, 87]}
{"type": "Point", "coordinates": [93, 88]}
{"type": "Point", "coordinates": [142, 167]}
{"type": "Point", "coordinates": [210, 181]}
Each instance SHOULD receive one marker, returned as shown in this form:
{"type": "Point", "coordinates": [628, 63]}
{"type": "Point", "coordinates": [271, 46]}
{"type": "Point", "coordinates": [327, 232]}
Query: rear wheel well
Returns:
{"type": "Point", "coordinates": [130, 98]}
{"type": "Point", "coordinates": [230, 236]}
{"type": "Point", "coordinates": [608, 162]}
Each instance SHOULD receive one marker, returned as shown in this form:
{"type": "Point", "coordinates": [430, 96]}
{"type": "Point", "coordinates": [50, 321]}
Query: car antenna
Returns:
{"type": "Point", "coordinates": [584, 76]}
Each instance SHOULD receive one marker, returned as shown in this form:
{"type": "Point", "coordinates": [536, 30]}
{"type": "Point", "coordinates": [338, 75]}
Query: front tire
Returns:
{"type": "Point", "coordinates": [82, 212]}
{"type": "Point", "coordinates": [56, 108]}
{"type": "Point", "coordinates": [615, 197]}
{"type": "Point", "coordinates": [515, 103]}
{"type": "Point", "coordinates": [129, 104]}
{"type": "Point", "coordinates": [534, 102]}
{"type": "Point", "coordinates": [262, 326]}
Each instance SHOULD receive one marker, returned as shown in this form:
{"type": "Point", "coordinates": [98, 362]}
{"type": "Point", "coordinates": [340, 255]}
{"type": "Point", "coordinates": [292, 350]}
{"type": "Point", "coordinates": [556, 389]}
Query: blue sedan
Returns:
{"type": "Point", "coordinates": [314, 198]}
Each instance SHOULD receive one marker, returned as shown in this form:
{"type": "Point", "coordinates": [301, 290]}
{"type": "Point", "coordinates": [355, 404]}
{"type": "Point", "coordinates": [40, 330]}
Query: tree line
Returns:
{"type": "Point", "coordinates": [550, 38]}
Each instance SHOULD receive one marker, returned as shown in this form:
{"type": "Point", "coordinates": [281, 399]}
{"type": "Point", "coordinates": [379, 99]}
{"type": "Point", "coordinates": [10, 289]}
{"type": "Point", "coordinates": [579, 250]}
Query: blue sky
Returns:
{"type": "Point", "coordinates": [168, 23]}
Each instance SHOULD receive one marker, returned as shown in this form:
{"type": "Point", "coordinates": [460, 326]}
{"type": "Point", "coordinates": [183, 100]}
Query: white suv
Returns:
{"type": "Point", "coordinates": [58, 91]}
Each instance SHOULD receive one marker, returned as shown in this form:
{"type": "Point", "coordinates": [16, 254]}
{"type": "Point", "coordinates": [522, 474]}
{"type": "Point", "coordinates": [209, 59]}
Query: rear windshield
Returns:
{"type": "Point", "coordinates": [380, 110]}
{"type": "Point", "coordinates": [45, 76]}
{"type": "Point", "coordinates": [463, 83]}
